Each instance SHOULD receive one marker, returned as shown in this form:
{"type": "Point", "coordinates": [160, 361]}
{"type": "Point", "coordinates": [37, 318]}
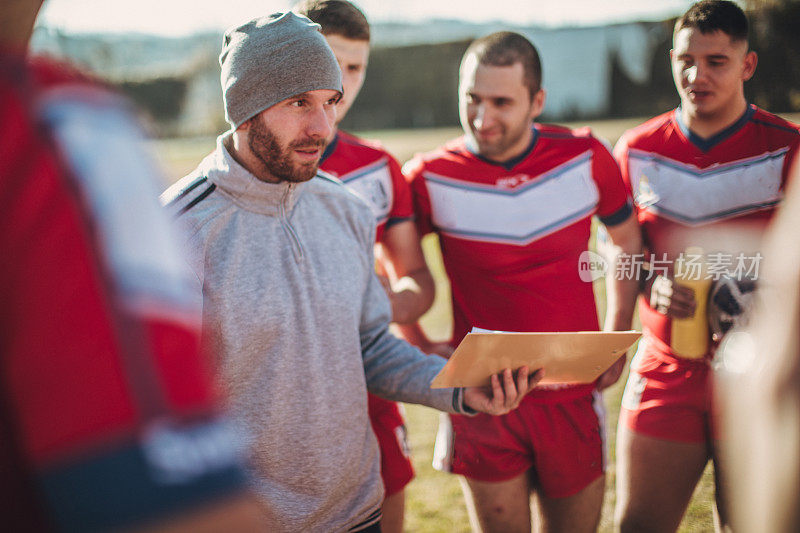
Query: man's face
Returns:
{"type": "Point", "coordinates": [709, 72]}
{"type": "Point", "coordinates": [496, 108]}
{"type": "Point", "coordinates": [286, 141]}
{"type": "Point", "coordinates": [352, 56]}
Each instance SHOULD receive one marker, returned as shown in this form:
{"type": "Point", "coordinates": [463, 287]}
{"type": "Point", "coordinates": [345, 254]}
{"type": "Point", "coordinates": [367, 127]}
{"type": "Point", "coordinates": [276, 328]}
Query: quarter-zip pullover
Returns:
{"type": "Point", "coordinates": [299, 323]}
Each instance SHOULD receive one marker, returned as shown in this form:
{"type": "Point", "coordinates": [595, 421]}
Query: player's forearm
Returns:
{"type": "Point", "coordinates": [621, 289]}
{"type": "Point", "coordinates": [412, 295]}
{"type": "Point", "coordinates": [621, 303]}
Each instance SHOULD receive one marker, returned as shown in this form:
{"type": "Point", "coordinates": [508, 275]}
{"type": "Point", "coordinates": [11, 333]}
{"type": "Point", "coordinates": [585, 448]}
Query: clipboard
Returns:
{"type": "Point", "coordinates": [567, 357]}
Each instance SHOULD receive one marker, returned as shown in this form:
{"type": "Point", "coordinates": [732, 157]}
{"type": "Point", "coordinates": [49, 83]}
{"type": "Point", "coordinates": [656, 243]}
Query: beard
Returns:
{"type": "Point", "coordinates": [277, 160]}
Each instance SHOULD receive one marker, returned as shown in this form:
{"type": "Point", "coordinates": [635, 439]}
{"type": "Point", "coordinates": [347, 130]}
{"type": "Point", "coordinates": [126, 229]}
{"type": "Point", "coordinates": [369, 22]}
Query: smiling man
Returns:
{"type": "Point", "coordinates": [512, 202]}
{"type": "Point", "coordinates": [291, 301]}
{"type": "Point", "coordinates": [714, 164]}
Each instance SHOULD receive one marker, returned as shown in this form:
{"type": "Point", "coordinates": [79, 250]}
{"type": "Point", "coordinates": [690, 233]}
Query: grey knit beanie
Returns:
{"type": "Point", "coordinates": [270, 59]}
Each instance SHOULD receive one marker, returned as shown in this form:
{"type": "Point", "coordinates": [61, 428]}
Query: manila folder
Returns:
{"type": "Point", "coordinates": [568, 357]}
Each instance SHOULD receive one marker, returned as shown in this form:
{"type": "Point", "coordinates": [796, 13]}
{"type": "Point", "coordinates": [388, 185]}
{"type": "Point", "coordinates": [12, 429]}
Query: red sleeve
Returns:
{"type": "Point", "coordinates": [95, 367]}
{"type": "Point", "coordinates": [419, 192]}
{"type": "Point", "coordinates": [402, 206]}
{"type": "Point", "coordinates": [615, 205]}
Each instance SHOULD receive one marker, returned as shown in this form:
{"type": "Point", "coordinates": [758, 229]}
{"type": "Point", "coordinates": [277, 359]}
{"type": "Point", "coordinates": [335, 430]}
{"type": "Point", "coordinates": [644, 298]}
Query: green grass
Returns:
{"type": "Point", "coordinates": [434, 501]}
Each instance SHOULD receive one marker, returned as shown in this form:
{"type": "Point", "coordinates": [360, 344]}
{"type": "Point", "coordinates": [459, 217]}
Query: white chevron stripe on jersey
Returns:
{"type": "Point", "coordinates": [692, 196]}
{"type": "Point", "coordinates": [550, 202]}
{"type": "Point", "coordinates": [373, 183]}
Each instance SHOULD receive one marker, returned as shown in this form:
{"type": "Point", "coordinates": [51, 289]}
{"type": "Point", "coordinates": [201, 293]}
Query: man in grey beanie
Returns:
{"type": "Point", "coordinates": [290, 298]}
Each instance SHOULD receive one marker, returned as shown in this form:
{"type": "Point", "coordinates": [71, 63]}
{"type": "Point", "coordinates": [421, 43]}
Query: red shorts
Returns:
{"type": "Point", "coordinates": [667, 397]}
{"type": "Point", "coordinates": [558, 438]}
{"type": "Point", "coordinates": [389, 427]}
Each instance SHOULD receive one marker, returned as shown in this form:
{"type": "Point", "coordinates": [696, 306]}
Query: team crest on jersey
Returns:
{"type": "Point", "coordinates": [512, 182]}
{"type": "Point", "coordinates": [373, 184]}
{"type": "Point", "coordinates": [375, 193]}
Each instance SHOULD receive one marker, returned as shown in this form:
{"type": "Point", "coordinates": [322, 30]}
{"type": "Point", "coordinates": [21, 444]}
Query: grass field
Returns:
{"type": "Point", "coordinates": [434, 502]}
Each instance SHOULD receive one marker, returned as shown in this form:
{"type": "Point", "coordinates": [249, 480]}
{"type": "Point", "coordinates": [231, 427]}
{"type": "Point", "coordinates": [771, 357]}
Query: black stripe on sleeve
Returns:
{"type": "Point", "coordinates": [188, 189]}
{"type": "Point", "coordinates": [197, 200]}
{"type": "Point", "coordinates": [619, 216]}
{"type": "Point", "coordinates": [777, 126]}
{"type": "Point", "coordinates": [371, 520]}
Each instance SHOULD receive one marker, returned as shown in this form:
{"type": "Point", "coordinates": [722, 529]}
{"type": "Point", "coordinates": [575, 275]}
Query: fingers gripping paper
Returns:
{"type": "Point", "coordinates": [570, 357]}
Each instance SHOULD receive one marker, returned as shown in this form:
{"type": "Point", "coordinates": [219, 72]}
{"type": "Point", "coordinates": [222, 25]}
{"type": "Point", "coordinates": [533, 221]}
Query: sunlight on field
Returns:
{"type": "Point", "coordinates": [435, 503]}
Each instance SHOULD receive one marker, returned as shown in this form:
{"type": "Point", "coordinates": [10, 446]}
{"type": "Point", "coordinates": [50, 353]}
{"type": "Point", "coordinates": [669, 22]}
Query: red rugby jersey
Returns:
{"type": "Point", "coordinates": [369, 170]}
{"type": "Point", "coordinates": [687, 188]}
{"type": "Point", "coordinates": [511, 234]}
{"type": "Point", "coordinates": [107, 414]}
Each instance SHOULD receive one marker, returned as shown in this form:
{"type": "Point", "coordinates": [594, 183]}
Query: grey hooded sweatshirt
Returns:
{"type": "Point", "coordinates": [299, 323]}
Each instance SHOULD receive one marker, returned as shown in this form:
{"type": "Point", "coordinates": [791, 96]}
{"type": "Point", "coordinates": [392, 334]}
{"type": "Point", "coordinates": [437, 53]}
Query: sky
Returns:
{"type": "Point", "coordinates": [182, 17]}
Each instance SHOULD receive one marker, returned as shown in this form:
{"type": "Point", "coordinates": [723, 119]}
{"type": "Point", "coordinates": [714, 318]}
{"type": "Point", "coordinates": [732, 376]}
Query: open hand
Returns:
{"type": "Point", "coordinates": [502, 395]}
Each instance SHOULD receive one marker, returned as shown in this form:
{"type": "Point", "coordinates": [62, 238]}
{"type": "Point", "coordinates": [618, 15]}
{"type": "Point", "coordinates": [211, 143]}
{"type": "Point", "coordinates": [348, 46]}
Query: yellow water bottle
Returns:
{"type": "Point", "coordinates": [690, 336]}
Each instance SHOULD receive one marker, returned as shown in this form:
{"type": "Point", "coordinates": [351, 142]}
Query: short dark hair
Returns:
{"type": "Point", "coordinates": [337, 17]}
{"type": "Point", "coordinates": [709, 16]}
{"type": "Point", "coordinates": [505, 48]}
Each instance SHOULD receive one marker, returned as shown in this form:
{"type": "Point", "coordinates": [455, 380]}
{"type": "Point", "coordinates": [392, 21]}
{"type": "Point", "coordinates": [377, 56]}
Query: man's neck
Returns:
{"type": "Point", "coordinates": [233, 144]}
{"type": "Point", "coordinates": [708, 126]}
{"type": "Point", "coordinates": [514, 152]}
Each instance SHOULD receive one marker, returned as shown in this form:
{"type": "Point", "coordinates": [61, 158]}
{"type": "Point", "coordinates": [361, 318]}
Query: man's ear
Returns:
{"type": "Point", "coordinates": [537, 105]}
{"type": "Point", "coordinates": [750, 63]}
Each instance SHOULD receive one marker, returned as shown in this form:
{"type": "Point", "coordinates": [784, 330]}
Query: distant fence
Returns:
{"type": "Point", "coordinates": [416, 86]}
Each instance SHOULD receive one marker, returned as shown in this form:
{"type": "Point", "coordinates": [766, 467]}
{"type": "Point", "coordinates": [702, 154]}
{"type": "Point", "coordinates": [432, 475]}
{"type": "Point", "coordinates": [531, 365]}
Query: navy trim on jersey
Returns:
{"type": "Point", "coordinates": [329, 149]}
{"type": "Point", "coordinates": [202, 196]}
{"type": "Point", "coordinates": [88, 496]}
{"type": "Point", "coordinates": [511, 163]}
{"type": "Point", "coordinates": [715, 216]}
{"type": "Point", "coordinates": [619, 216]}
{"type": "Point", "coordinates": [707, 144]}
{"type": "Point", "coordinates": [195, 184]}
{"type": "Point", "coordinates": [396, 220]}
{"type": "Point", "coordinates": [777, 126]}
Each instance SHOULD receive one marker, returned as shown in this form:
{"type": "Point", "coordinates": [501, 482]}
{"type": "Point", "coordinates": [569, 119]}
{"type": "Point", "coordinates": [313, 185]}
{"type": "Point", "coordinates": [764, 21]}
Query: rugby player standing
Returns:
{"type": "Point", "coordinates": [512, 202]}
{"type": "Point", "coordinates": [367, 168]}
{"type": "Point", "coordinates": [715, 162]}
